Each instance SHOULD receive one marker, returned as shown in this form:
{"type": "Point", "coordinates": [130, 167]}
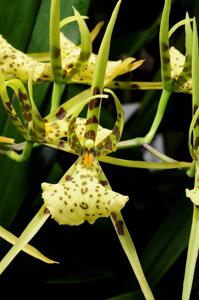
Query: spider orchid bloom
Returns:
{"type": "Point", "coordinates": [175, 67]}
{"type": "Point", "coordinates": [35, 129]}
{"type": "Point", "coordinates": [77, 66]}
{"type": "Point", "coordinates": [82, 194]}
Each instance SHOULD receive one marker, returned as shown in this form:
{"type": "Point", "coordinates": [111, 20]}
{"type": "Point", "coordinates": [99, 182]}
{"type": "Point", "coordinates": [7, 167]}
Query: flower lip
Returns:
{"type": "Point", "coordinates": [81, 196]}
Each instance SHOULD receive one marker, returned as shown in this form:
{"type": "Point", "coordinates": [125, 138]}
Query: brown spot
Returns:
{"type": "Point", "coordinates": [135, 86]}
{"type": "Point", "coordinates": [166, 60]}
{"type": "Point", "coordinates": [70, 66]}
{"type": "Point", "coordinates": [46, 210]}
{"type": "Point", "coordinates": [116, 84]}
{"type": "Point", "coordinates": [61, 113]}
{"type": "Point", "coordinates": [55, 52]}
{"type": "Point", "coordinates": [96, 91]}
{"type": "Point", "coordinates": [119, 224]}
{"type": "Point", "coordinates": [90, 135]}
{"type": "Point", "coordinates": [108, 143]}
{"type": "Point", "coordinates": [94, 103]}
{"type": "Point", "coordinates": [116, 132]}
{"type": "Point", "coordinates": [21, 95]}
{"type": "Point", "coordinates": [84, 205]}
{"type": "Point", "coordinates": [9, 106]}
{"type": "Point", "coordinates": [68, 178]}
{"type": "Point", "coordinates": [103, 182]}
{"type": "Point", "coordinates": [165, 47]}
{"type": "Point", "coordinates": [114, 215]}
{"type": "Point", "coordinates": [120, 227]}
{"type": "Point", "coordinates": [29, 117]}
{"type": "Point", "coordinates": [61, 144]}
{"type": "Point", "coordinates": [84, 190]}
{"type": "Point", "coordinates": [92, 120]}
{"type": "Point", "coordinates": [82, 176]}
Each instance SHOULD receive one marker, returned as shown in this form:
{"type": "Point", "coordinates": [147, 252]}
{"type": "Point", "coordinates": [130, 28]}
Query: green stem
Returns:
{"type": "Point", "coordinates": [191, 171]}
{"type": "Point", "coordinates": [164, 46]}
{"type": "Point", "coordinates": [144, 164]}
{"type": "Point", "coordinates": [158, 154]}
{"type": "Point", "coordinates": [56, 95]}
{"type": "Point", "coordinates": [55, 52]}
{"type": "Point", "coordinates": [192, 255]}
{"type": "Point", "coordinates": [159, 115]}
{"type": "Point", "coordinates": [131, 253]}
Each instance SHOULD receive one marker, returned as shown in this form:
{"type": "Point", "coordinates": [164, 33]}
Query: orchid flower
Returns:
{"type": "Point", "coordinates": [76, 66]}
{"type": "Point", "coordinates": [175, 67]}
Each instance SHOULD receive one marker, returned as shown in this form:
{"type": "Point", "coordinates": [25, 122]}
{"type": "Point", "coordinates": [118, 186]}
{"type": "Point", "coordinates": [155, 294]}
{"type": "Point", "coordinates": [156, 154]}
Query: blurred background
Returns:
{"type": "Point", "coordinates": [158, 215]}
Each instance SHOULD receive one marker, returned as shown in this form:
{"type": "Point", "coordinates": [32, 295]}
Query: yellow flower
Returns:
{"type": "Point", "coordinates": [16, 64]}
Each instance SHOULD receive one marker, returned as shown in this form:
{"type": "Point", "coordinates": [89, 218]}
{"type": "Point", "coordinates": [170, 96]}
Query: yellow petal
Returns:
{"type": "Point", "coordinates": [81, 197]}
{"type": "Point", "coordinates": [15, 63]}
{"type": "Point", "coordinates": [6, 140]}
{"type": "Point", "coordinates": [193, 195]}
{"type": "Point", "coordinates": [11, 238]}
{"type": "Point", "coordinates": [177, 61]}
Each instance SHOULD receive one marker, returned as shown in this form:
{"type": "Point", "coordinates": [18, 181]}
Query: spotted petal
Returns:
{"type": "Point", "coordinates": [16, 64]}
{"type": "Point", "coordinates": [177, 60]}
{"type": "Point", "coordinates": [81, 197]}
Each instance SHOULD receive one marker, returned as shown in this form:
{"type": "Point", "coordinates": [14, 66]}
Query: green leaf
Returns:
{"type": "Point", "coordinates": [164, 45]}
{"type": "Point", "coordinates": [17, 19]}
